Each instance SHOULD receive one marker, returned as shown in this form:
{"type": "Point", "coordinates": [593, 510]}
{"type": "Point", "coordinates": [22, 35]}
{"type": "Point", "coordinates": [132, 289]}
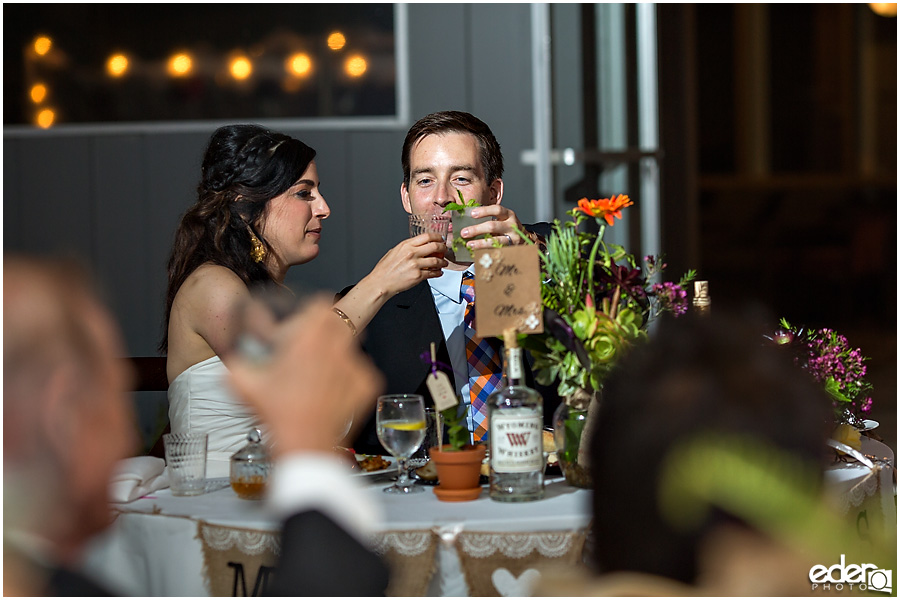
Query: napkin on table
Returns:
{"type": "Point", "coordinates": [138, 476]}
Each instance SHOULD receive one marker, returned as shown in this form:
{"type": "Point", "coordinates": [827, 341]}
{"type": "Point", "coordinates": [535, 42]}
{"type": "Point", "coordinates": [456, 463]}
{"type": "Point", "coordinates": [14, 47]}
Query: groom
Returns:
{"type": "Point", "coordinates": [444, 152]}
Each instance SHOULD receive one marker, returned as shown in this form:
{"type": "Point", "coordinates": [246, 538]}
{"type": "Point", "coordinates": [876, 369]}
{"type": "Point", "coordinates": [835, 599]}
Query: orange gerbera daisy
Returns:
{"type": "Point", "coordinates": [605, 208]}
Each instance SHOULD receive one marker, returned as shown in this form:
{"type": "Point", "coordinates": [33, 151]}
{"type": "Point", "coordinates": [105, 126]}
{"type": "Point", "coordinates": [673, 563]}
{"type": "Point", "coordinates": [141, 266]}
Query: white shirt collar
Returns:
{"type": "Point", "coordinates": [449, 282]}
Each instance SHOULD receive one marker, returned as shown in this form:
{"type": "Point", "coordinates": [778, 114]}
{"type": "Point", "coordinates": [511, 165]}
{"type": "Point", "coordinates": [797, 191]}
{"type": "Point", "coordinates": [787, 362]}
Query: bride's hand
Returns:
{"type": "Point", "coordinates": [408, 263]}
{"type": "Point", "coordinates": [411, 261]}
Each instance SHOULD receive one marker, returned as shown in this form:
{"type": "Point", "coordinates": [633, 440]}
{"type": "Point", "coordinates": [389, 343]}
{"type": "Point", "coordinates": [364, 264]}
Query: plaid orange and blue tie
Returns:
{"type": "Point", "coordinates": [485, 364]}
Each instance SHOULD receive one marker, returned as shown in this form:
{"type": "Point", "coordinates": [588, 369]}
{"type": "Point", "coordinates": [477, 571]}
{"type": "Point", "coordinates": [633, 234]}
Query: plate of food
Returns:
{"type": "Point", "coordinates": [372, 464]}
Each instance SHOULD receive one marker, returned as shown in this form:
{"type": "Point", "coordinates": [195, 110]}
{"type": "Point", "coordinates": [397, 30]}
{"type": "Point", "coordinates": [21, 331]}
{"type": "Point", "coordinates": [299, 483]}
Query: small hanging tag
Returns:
{"type": "Point", "coordinates": [441, 391]}
{"type": "Point", "coordinates": [438, 383]}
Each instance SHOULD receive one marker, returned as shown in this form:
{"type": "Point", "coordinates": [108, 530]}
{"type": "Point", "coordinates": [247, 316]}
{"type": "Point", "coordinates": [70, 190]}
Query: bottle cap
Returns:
{"type": "Point", "coordinates": [701, 293]}
{"type": "Point", "coordinates": [509, 338]}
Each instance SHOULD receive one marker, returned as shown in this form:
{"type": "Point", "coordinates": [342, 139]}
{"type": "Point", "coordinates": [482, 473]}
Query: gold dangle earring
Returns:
{"type": "Point", "coordinates": [258, 251]}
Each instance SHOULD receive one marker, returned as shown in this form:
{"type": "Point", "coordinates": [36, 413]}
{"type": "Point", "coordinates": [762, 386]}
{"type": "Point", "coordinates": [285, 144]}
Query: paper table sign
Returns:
{"type": "Point", "coordinates": [508, 288]}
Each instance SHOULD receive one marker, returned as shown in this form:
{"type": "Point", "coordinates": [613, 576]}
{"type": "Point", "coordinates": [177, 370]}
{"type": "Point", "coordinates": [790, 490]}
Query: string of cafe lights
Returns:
{"type": "Point", "coordinates": [240, 67]}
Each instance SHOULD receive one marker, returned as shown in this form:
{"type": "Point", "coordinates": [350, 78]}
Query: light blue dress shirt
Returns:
{"type": "Point", "coordinates": [451, 310]}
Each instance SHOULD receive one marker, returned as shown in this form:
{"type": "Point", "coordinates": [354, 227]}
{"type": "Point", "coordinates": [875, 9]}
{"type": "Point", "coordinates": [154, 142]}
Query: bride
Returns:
{"type": "Point", "coordinates": [259, 211]}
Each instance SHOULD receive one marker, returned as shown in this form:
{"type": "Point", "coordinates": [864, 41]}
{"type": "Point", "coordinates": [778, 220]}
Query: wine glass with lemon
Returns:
{"type": "Point", "coordinates": [400, 420]}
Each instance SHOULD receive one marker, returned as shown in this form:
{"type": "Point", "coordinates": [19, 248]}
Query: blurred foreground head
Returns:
{"type": "Point", "coordinates": [67, 418]}
{"type": "Point", "coordinates": [696, 380]}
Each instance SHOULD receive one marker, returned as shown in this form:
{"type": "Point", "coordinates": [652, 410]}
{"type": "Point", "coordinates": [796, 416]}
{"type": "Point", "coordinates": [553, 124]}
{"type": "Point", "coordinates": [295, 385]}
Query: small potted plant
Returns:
{"type": "Point", "coordinates": [458, 462]}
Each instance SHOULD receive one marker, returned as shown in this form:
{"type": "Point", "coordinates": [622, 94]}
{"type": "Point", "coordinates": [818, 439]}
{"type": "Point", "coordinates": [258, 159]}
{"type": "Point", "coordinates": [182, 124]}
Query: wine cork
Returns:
{"type": "Point", "coordinates": [509, 338]}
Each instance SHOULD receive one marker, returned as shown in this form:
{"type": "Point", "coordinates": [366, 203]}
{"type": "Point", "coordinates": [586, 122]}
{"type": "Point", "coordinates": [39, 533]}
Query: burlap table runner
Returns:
{"type": "Point", "coordinates": [410, 555]}
{"type": "Point", "coordinates": [509, 564]}
{"type": "Point", "coordinates": [237, 562]}
{"type": "Point", "coordinates": [240, 562]}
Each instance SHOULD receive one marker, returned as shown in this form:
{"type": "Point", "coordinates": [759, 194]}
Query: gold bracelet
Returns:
{"type": "Point", "coordinates": [345, 319]}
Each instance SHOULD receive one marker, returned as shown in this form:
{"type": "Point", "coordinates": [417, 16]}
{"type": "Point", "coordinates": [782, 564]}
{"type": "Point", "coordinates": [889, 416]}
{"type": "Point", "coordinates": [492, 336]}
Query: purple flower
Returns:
{"type": "Point", "coordinates": [671, 296]}
{"type": "Point", "coordinates": [630, 280]}
{"type": "Point", "coordinates": [866, 405]}
{"type": "Point", "coordinates": [831, 361]}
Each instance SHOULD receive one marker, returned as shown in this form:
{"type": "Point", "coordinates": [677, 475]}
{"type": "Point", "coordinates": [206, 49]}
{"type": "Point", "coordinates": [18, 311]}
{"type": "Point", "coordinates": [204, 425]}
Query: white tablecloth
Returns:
{"type": "Point", "coordinates": [153, 548]}
{"type": "Point", "coordinates": [863, 494]}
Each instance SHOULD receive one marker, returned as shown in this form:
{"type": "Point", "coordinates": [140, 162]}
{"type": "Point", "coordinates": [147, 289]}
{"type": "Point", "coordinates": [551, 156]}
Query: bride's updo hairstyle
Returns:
{"type": "Point", "coordinates": [244, 167]}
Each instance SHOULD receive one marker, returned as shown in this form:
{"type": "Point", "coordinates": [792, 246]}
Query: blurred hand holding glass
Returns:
{"type": "Point", "coordinates": [258, 328]}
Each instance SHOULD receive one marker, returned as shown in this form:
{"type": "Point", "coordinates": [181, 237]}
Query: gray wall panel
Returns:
{"type": "Point", "coordinates": [567, 95]}
{"type": "Point", "coordinates": [379, 221]}
{"type": "Point", "coordinates": [56, 206]}
{"type": "Point", "coordinates": [501, 92]}
{"type": "Point", "coordinates": [121, 260]}
{"type": "Point", "coordinates": [13, 231]}
{"type": "Point", "coordinates": [439, 58]}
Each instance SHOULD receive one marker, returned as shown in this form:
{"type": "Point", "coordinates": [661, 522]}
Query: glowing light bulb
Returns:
{"type": "Point", "coordinates": [42, 45]}
{"type": "Point", "coordinates": [45, 118]}
{"type": "Point", "coordinates": [884, 9]}
{"type": "Point", "coordinates": [356, 66]}
{"type": "Point", "coordinates": [241, 68]}
{"type": "Point", "coordinates": [180, 65]}
{"type": "Point", "coordinates": [38, 93]}
{"type": "Point", "coordinates": [299, 64]}
{"type": "Point", "coordinates": [336, 40]}
{"type": "Point", "coordinates": [117, 65]}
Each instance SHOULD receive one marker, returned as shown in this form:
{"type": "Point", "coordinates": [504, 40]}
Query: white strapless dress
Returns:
{"type": "Point", "coordinates": [200, 400]}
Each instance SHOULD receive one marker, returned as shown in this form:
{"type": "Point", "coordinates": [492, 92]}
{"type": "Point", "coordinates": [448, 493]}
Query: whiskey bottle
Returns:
{"type": "Point", "coordinates": [701, 300]}
{"type": "Point", "coordinates": [516, 418]}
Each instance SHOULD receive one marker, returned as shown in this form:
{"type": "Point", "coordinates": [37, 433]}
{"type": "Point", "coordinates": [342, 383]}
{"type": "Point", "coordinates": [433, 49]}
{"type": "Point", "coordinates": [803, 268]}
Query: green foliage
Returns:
{"type": "Point", "coordinates": [603, 293]}
{"type": "Point", "coordinates": [573, 426]}
{"type": "Point", "coordinates": [462, 205]}
{"type": "Point", "coordinates": [460, 208]}
{"type": "Point", "coordinates": [455, 419]}
{"type": "Point", "coordinates": [771, 491]}
{"type": "Point", "coordinates": [834, 390]}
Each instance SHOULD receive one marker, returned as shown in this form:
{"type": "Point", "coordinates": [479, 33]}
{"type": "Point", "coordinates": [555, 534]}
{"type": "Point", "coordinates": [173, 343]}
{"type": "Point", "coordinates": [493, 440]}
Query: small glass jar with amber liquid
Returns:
{"type": "Point", "coordinates": [250, 468]}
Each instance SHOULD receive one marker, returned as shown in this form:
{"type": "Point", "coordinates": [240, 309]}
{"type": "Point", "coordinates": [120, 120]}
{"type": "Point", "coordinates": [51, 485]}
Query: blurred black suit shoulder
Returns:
{"type": "Point", "coordinates": [319, 558]}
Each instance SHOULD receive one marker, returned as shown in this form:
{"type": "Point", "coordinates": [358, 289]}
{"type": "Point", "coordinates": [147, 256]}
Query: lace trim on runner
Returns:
{"type": "Point", "coordinates": [406, 543]}
{"type": "Point", "coordinates": [549, 544]}
{"type": "Point", "coordinates": [859, 492]}
{"type": "Point", "coordinates": [248, 541]}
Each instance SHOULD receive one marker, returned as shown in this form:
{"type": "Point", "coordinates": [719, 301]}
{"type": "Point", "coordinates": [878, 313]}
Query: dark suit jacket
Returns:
{"type": "Point", "coordinates": [395, 339]}
{"type": "Point", "coordinates": [70, 583]}
{"type": "Point", "coordinates": [318, 558]}
{"type": "Point", "coordinates": [52, 579]}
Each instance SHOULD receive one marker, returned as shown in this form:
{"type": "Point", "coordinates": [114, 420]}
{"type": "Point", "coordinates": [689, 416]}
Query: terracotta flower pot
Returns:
{"type": "Point", "coordinates": [458, 469]}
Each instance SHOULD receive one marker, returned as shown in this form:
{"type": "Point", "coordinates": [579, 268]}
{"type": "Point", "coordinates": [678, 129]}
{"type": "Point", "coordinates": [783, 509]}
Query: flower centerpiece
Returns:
{"type": "Point", "coordinates": [828, 357]}
{"type": "Point", "coordinates": [598, 300]}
